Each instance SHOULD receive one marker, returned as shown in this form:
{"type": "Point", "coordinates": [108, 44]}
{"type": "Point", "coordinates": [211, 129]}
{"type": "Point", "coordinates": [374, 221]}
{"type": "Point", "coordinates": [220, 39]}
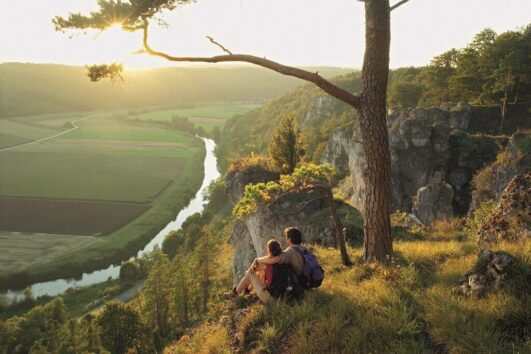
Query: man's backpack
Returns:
{"type": "Point", "coordinates": [284, 283]}
{"type": "Point", "coordinates": [312, 273]}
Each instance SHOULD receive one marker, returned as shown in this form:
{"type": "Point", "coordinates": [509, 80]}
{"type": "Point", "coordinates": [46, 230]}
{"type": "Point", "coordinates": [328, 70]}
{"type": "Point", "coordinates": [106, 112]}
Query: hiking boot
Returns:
{"type": "Point", "coordinates": [231, 294]}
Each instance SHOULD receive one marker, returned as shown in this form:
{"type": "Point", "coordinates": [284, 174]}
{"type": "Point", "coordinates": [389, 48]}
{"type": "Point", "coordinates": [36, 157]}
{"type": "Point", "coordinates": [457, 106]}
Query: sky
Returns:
{"type": "Point", "coordinates": [293, 32]}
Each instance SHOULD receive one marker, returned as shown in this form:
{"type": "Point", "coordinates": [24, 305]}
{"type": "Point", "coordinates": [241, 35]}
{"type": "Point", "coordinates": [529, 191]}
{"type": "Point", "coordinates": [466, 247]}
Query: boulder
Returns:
{"type": "Point", "coordinates": [434, 201]}
{"type": "Point", "coordinates": [490, 273]}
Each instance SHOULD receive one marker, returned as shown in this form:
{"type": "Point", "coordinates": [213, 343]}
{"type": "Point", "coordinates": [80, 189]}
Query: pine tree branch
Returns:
{"type": "Point", "coordinates": [315, 78]}
{"type": "Point", "coordinates": [219, 45]}
{"type": "Point", "coordinates": [398, 4]}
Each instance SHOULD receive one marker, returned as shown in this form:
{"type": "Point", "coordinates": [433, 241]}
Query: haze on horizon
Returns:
{"type": "Point", "coordinates": [294, 32]}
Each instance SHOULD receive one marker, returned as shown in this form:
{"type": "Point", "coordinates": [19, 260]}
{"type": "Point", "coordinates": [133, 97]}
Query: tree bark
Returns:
{"type": "Point", "coordinates": [373, 126]}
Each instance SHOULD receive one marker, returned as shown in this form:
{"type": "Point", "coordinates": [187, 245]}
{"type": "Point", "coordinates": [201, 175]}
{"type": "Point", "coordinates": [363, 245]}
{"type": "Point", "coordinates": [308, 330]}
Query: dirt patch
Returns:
{"type": "Point", "coordinates": [66, 217]}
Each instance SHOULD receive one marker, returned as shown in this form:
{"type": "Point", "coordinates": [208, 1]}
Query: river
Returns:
{"type": "Point", "coordinates": [196, 205]}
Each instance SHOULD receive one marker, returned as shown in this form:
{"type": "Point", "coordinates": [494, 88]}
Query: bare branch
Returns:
{"type": "Point", "coordinates": [315, 78]}
{"type": "Point", "coordinates": [219, 45]}
{"type": "Point", "coordinates": [398, 4]}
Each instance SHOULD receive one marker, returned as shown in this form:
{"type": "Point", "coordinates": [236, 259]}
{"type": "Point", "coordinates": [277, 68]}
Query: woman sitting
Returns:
{"type": "Point", "coordinates": [259, 276]}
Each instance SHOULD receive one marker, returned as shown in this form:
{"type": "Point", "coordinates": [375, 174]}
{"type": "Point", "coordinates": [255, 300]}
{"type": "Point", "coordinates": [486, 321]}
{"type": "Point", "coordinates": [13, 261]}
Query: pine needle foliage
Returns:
{"type": "Point", "coordinates": [301, 178]}
{"type": "Point", "coordinates": [287, 145]}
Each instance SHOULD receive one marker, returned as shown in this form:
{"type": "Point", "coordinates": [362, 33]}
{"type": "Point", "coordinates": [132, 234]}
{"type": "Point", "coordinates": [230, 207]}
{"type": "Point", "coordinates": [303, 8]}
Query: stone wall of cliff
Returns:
{"type": "Point", "coordinates": [434, 156]}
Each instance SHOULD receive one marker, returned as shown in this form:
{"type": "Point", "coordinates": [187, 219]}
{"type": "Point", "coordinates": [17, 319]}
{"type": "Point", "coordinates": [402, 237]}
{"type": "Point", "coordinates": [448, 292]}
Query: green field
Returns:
{"type": "Point", "coordinates": [102, 160]}
{"type": "Point", "coordinates": [86, 176]}
{"type": "Point", "coordinates": [51, 120]}
{"type": "Point", "coordinates": [24, 130]}
{"type": "Point", "coordinates": [106, 129]}
{"type": "Point", "coordinates": [205, 116]}
{"type": "Point", "coordinates": [219, 111]}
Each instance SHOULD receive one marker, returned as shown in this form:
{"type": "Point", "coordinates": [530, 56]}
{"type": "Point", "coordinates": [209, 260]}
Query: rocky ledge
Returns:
{"type": "Point", "coordinates": [309, 211]}
{"type": "Point", "coordinates": [511, 219]}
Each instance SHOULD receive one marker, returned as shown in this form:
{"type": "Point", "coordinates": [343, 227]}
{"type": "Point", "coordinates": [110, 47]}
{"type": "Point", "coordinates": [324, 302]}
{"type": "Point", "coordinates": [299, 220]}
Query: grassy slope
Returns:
{"type": "Point", "coordinates": [405, 306]}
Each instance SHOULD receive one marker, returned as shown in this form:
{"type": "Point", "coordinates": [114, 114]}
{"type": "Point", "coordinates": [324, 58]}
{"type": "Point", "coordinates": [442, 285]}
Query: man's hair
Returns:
{"type": "Point", "coordinates": [294, 235]}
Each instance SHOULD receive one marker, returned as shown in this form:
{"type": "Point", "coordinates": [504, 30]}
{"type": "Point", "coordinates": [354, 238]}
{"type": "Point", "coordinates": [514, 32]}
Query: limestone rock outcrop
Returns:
{"type": "Point", "coordinates": [309, 211]}
{"type": "Point", "coordinates": [511, 219]}
{"type": "Point", "coordinates": [320, 106]}
{"type": "Point", "coordinates": [434, 201]}
{"type": "Point", "coordinates": [431, 156]}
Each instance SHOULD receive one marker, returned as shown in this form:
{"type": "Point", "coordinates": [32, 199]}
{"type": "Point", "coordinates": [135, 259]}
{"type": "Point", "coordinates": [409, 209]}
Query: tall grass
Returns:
{"type": "Point", "coordinates": [406, 305]}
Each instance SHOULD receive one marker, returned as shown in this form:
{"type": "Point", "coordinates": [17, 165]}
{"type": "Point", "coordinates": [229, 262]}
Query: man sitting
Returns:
{"type": "Point", "coordinates": [291, 255]}
{"type": "Point", "coordinates": [260, 273]}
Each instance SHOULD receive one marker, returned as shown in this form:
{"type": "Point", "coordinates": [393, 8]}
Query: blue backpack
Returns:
{"type": "Point", "coordinates": [312, 273]}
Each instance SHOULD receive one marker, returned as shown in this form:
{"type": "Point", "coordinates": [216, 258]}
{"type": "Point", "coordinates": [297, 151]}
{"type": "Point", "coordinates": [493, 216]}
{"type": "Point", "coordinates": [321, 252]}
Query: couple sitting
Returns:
{"type": "Point", "coordinates": [280, 271]}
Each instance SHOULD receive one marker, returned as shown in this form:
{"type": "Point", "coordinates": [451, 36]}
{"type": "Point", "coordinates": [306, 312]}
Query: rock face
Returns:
{"type": "Point", "coordinates": [424, 160]}
{"type": "Point", "coordinates": [309, 211]}
{"type": "Point", "coordinates": [320, 106]}
{"type": "Point", "coordinates": [511, 219]}
{"type": "Point", "coordinates": [489, 274]}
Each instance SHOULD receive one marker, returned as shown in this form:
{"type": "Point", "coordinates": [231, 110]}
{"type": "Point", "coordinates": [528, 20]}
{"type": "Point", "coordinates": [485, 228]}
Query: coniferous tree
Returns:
{"type": "Point", "coordinates": [74, 336]}
{"type": "Point", "coordinates": [156, 294]}
{"type": "Point", "coordinates": [180, 284]}
{"type": "Point", "coordinates": [286, 148]}
{"type": "Point", "coordinates": [92, 335]}
{"type": "Point", "coordinates": [122, 329]}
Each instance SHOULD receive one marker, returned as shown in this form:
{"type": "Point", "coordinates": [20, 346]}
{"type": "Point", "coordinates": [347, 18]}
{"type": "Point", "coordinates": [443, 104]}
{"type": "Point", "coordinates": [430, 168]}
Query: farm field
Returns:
{"type": "Point", "coordinates": [110, 182]}
{"type": "Point", "coordinates": [71, 217]}
{"type": "Point", "coordinates": [86, 176]}
{"type": "Point", "coordinates": [20, 250]}
{"type": "Point", "coordinates": [51, 120]}
{"type": "Point", "coordinates": [205, 116]}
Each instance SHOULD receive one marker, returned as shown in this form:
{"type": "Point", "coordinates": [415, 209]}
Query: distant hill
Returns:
{"type": "Point", "coordinates": [49, 88]}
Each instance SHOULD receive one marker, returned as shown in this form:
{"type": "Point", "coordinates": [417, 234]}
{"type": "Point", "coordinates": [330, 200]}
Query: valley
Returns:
{"type": "Point", "coordinates": [92, 194]}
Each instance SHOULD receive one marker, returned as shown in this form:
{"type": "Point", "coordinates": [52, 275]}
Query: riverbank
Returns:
{"type": "Point", "coordinates": [125, 242]}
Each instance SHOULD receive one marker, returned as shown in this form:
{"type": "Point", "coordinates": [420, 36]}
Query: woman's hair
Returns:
{"type": "Point", "coordinates": [273, 248]}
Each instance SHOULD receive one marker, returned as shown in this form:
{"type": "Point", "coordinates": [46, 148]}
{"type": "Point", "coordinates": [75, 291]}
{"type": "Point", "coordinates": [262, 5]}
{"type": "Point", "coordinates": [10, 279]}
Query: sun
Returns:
{"type": "Point", "coordinates": [115, 27]}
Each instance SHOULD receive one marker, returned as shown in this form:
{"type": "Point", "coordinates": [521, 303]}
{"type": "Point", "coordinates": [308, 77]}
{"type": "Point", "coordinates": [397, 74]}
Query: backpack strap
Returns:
{"type": "Point", "coordinates": [300, 250]}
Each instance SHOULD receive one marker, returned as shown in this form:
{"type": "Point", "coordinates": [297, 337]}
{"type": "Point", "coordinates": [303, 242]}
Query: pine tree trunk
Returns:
{"type": "Point", "coordinates": [340, 236]}
{"type": "Point", "coordinates": [373, 126]}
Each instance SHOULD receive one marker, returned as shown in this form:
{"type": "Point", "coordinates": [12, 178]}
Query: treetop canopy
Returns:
{"type": "Point", "coordinates": [131, 15]}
